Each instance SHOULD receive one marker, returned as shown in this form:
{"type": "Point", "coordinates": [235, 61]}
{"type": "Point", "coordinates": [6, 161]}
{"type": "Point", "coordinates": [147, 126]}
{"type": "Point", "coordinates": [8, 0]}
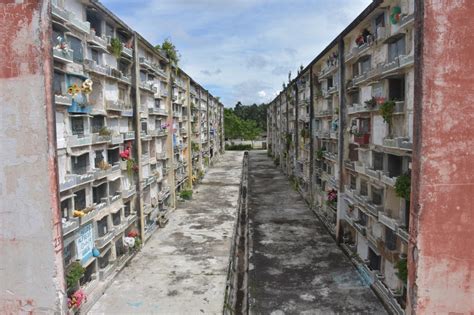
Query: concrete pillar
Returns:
{"type": "Point", "coordinates": [31, 263]}
{"type": "Point", "coordinates": [441, 255]}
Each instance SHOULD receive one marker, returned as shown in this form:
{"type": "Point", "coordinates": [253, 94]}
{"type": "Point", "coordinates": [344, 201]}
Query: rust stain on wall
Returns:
{"type": "Point", "coordinates": [19, 55]}
{"type": "Point", "coordinates": [442, 276]}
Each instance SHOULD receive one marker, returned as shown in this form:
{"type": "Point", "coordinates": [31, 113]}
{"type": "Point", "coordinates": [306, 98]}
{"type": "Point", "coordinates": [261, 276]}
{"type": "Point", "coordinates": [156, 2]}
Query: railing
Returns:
{"type": "Point", "coordinates": [70, 225]}
{"type": "Point", "coordinates": [127, 51]}
{"type": "Point", "coordinates": [399, 142]}
{"type": "Point", "coordinates": [65, 100]}
{"type": "Point", "coordinates": [92, 37]}
{"type": "Point", "coordinates": [388, 221]}
{"type": "Point", "coordinates": [97, 138]}
{"type": "Point", "coordinates": [129, 135]}
{"type": "Point", "coordinates": [62, 55]}
{"type": "Point", "coordinates": [127, 193]}
{"type": "Point", "coordinates": [114, 105]}
{"type": "Point", "coordinates": [77, 141]}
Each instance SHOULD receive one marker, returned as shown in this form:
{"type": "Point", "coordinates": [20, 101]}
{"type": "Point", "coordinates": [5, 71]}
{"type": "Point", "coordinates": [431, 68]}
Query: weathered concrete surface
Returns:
{"type": "Point", "coordinates": [31, 263]}
{"type": "Point", "coordinates": [183, 267]}
{"type": "Point", "coordinates": [441, 255]}
{"type": "Point", "coordinates": [295, 266]}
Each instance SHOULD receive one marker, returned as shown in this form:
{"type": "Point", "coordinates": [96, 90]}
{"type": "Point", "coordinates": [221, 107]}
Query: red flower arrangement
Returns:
{"type": "Point", "coordinates": [332, 195]}
{"type": "Point", "coordinates": [76, 299]}
{"type": "Point", "coordinates": [132, 233]}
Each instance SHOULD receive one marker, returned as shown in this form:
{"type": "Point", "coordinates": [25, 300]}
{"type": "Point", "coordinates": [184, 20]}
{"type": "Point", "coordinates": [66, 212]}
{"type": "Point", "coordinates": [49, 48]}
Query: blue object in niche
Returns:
{"type": "Point", "coordinates": [95, 252]}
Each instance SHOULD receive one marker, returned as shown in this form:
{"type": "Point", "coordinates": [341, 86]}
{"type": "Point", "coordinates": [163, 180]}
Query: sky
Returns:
{"type": "Point", "coordinates": [240, 50]}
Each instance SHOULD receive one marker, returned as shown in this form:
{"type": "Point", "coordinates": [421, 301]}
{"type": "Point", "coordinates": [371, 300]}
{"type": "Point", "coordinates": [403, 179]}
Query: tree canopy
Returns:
{"type": "Point", "coordinates": [237, 128]}
{"type": "Point", "coordinates": [245, 121]}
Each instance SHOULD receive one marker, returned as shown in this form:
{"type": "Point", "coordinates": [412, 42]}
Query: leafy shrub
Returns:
{"type": "Point", "coordinates": [186, 194]}
{"type": "Point", "coordinates": [74, 272]}
{"type": "Point", "coordinates": [238, 147]}
{"type": "Point", "coordinates": [403, 186]}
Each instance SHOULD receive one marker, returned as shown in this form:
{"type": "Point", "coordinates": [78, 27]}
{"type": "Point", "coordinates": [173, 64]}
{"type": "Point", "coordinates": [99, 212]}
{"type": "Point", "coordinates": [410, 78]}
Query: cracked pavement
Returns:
{"type": "Point", "coordinates": [295, 265]}
{"type": "Point", "coordinates": [182, 269]}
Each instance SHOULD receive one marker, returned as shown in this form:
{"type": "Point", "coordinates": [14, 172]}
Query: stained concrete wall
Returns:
{"type": "Point", "coordinates": [441, 256]}
{"type": "Point", "coordinates": [31, 268]}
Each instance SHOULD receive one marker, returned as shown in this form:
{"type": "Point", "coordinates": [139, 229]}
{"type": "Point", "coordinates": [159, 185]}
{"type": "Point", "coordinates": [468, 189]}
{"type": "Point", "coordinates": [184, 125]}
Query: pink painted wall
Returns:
{"type": "Point", "coordinates": [441, 274]}
{"type": "Point", "coordinates": [31, 267]}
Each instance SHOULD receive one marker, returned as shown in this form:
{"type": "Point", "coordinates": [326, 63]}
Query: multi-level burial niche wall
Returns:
{"type": "Point", "coordinates": [236, 298]}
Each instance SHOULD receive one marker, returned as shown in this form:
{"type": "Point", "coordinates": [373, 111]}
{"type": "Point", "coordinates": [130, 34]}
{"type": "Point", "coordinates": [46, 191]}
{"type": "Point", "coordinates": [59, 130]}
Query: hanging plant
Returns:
{"type": "Point", "coordinates": [130, 166]}
{"type": "Point", "coordinates": [320, 153]}
{"type": "Point", "coordinates": [402, 272]}
{"type": "Point", "coordinates": [104, 131]}
{"type": "Point", "coordinates": [403, 186]}
{"type": "Point", "coordinates": [116, 47]}
{"type": "Point", "coordinates": [395, 15]}
{"type": "Point", "coordinates": [386, 110]}
{"type": "Point", "coordinates": [371, 103]}
{"type": "Point", "coordinates": [74, 272]}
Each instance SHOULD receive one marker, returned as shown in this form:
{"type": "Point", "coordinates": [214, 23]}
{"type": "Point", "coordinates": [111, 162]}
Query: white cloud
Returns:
{"type": "Point", "coordinates": [241, 49]}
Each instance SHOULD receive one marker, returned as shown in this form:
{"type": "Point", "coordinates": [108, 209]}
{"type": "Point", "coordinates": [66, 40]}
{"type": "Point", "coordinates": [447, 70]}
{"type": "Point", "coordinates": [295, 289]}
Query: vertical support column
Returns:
{"type": "Point", "coordinates": [138, 128]}
{"type": "Point", "coordinates": [297, 123]}
{"type": "Point", "coordinates": [440, 256]}
{"type": "Point", "coordinates": [200, 163]}
{"type": "Point", "coordinates": [208, 128]}
{"type": "Point", "coordinates": [32, 269]}
{"type": "Point", "coordinates": [189, 156]}
{"type": "Point", "coordinates": [170, 147]}
{"type": "Point", "coordinates": [311, 139]}
{"type": "Point", "coordinates": [340, 134]}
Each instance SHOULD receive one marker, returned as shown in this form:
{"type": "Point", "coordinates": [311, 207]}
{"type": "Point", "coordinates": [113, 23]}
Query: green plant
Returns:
{"type": "Point", "coordinates": [138, 243]}
{"type": "Point", "coordinates": [130, 166]}
{"type": "Point", "coordinates": [186, 194]}
{"type": "Point", "coordinates": [403, 186]}
{"type": "Point", "coordinates": [289, 141]}
{"type": "Point", "coordinates": [305, 133]}
{"type": "Point", "coordinates": [402, 272]}
{"type": "Point", "coordinates": [200, 174]}
{"type": "Point", "coordinates": [206, 161]}
{"type": "Point", "coordinates": [386, 110]}
{"type": "Point", "coordinates": [371, 103]}
{"type": "Point", "coordinates": [104, 131]}
{"type": "Point", "coordinates": [74, 272]}
{"type": "Point", "coordinates": [238, 147]}
{"type": "Point", "coordinates": [194, 146]}
{"type": "Point", "coordinates": [116, 47]}
{"type": "Point", "coordinates": [293, 182]}
{"type": "Point", "coordinates": [320, 153]}
{"type": "Point", "coordinates": [170, 51]}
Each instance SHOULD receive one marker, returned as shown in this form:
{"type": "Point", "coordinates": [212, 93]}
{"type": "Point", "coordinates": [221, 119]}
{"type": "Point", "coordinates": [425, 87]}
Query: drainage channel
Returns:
{"type": "Point", "coordinates": [236, 296]}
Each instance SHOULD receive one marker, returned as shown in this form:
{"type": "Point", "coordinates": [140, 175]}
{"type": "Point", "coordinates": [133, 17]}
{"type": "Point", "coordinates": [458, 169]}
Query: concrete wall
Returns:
{"type": "Point", "coordinates": [31, 268]}
{"type": "Point", "coordinates": [441, 255]}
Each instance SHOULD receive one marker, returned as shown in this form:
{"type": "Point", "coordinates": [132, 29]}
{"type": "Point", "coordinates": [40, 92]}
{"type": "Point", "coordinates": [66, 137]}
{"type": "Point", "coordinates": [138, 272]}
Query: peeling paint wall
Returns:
{"type": "Point", "coordinates": [31, 269]}
{"type": "Point", "coordinates": [441, 273]}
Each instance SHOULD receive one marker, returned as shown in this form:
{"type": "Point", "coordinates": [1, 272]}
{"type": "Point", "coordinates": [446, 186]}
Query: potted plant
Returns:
{"type": "Point", "coordinates": [320, 153]}
{"type": "Point", "coordinates": [371, 103]}
{"type": "Point", "coordinates": [116, 47]}
{"type": "Point", "coordinates": [331, 198]}
{"type": "Point", "coordinates": [403, 186]}
{"type": "Point", "coordinates": [74, 272]}
{"type": "Point", "coordinates": [361, 138]}
{"type": "Point", "coordinates": [186, 194]}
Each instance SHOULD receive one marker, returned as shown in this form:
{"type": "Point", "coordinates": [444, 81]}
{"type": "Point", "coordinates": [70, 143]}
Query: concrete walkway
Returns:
{"type": "Point", "coordinates": [295, 266]}
{"type": "Point", "coordinates": [183, 267]}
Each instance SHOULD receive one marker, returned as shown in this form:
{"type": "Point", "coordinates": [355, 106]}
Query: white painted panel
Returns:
{"type": "Point", "coordinates": [379, 130]}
